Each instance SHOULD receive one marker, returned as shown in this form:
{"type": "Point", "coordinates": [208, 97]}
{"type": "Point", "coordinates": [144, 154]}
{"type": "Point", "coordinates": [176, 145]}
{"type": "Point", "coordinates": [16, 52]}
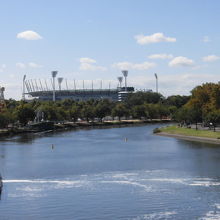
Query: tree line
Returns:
{"type": "Point", "coordinates": [140, 105]}
{"type": "Point", "coordinates": [202, 106]}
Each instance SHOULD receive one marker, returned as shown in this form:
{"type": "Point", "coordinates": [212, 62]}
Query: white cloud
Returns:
{"type": "Point", "coordinates": [2, 67]}
{"type": "Point", "coordinates": [181, 61]}
{"type": "Point", "coordinates": [86, 60]}
{"type": "Point", "coordinates": [162, 56]}
{"type": "Point", "coordinates": [20, 65]}
{"type": "Point", "coordinates": [154, 38]}
{"type": "Point", "coordinates": [29, 35]}
{"type": "Point", "coordinates": [135, 66]}
{"type": "Point", "coordinates": [89, 64]}
{"type": "Point", "coordinates": [34, 65]}
{"type": "Point", "coordinates": [206, 39]}
{"type": "Point", "coordinates": [170, 84]}
{"type": "Point", "coordinates": [210, 58]}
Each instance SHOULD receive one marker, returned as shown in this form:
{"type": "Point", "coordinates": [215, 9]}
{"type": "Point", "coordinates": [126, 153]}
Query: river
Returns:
{"type": "Point", "coordinates": [109, 174]}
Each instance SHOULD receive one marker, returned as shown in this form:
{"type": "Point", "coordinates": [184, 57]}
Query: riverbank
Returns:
{"type": "Point", "coordinates": [206, 136]}
{"type": "Point", "coordinates": [71, 125]}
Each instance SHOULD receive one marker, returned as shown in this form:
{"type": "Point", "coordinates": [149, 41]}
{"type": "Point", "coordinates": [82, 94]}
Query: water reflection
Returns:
{"type": "Point", "coordinates": [96, 174]}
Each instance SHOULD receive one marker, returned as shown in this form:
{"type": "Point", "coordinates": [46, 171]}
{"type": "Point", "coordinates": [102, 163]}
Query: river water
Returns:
{"type": "Point", "coordinates": [109, 174]}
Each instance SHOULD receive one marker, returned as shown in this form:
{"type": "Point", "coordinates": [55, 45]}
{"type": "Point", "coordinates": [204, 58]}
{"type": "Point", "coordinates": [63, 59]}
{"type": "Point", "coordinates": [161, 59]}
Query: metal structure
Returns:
{"type": "Point", "coordinates": [2, 99]}
{"type": "Point", "coordinates": [23, 87]}
{"type": "Point", "coordinates": [156, 77]}
{"type": "Point", "coordinates": [90, 89]}
{"type": "Point", "coordinates": [54, 74]}
{"type": "Point", "coordinates": [120, 79]}
{"type": "Point", "coordinates": [60, 80]}
{"type": "Point", "coordinates": [125, 74]}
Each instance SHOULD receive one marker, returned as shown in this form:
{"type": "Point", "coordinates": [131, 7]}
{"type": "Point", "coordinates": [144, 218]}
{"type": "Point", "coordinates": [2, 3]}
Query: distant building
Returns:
{"type": "Point", "coordinates": [118, 94]}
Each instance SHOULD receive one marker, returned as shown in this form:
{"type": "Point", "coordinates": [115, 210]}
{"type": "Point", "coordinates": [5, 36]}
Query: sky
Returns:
{"type": "Point", "coordinates": [96, 39]}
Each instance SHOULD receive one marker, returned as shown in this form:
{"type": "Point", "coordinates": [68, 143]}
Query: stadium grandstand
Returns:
{"type": "Point", "coordinates": [60, 89]}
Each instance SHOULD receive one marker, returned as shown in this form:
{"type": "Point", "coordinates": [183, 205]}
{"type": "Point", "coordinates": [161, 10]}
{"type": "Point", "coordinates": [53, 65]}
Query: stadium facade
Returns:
{"type": "Point", "coordinates": [47, 90]}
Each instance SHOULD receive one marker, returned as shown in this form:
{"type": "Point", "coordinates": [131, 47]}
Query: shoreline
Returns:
{"type": "Point", "coordinates": [68, 126]}
{"type": "Point", "coordinates": [190, 138]}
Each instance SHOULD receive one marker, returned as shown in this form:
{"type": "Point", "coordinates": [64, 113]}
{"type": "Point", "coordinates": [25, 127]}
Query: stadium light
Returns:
{"type": "Point", "coordinates": [156, 77]}
{"type": "Point", "coordinates": [60, 80]}
{"type": "Point", "coordinates": [23, 94]}
{"type": "Point", "coordinates": [120, 79]}
{"type": "Point", "coordinates": [54, 74]}
{"type": "Point", "coordinates": [125, 74]}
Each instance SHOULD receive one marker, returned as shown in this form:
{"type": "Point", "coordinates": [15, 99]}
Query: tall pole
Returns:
{"type": "Point", "coordinates": [156, 77]}
{"type": "Point", "coordinates": [125, 74]}
{"type": "Point", "coordinates": [32, 85]}
{"type": "Point", "coordinates": [23, 94]}
{"type": "Point", "coordinates": [75, 84]}
{"type": "Point", "coordinates": [54, 73]}
{"type": "Point", "coordinates": [42, 89]}
{"type": "Point", "coordinates": [26, 85]}
{"type": "Point", "coordinates": [46, 85]}
{"type": "Point", "coordinates": [66, 85]}
{"type": "Point", "coordinates": [29, 85]}
{"type": "Point", "coordinates": [120, 79]}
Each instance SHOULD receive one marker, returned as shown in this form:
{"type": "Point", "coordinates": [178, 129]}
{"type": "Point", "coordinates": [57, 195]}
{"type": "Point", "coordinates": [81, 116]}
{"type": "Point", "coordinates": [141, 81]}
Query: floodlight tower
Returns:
{"type": "Point", "coordinates": [2, 97]}
{"type": "Point", "coordinates": [156, 77]}
{"type": "Point", "coordinates": [60, 80]}
{"type": "Point", "coordinates": [23, 93]}
{"type": "Point", "coordinates": [120, 79]}
{"type": "Point", "coordinates": [54, 74]}
{"type": "Point", "coordinates": [125, 74]}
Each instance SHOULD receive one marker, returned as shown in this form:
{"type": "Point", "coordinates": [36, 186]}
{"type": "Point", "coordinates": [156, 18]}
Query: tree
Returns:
{"type": "Point", "coordinates": [4, 120]}
{"type": "Point", "coordinates": [152, 111]}
{"type": "Point", "coordinates": [120, 110]}
{"type": "Point", "coordinates": [75, 112]}
{"type": "Point", "coordinates": [213, 117]}
{"type": "Point", "coordinates": [102, 109]}
{"type": "Point", "coordinates": [139, 111]}
{"type": "Point", "coordinates": [25, 113]}
{"type": "Point", "coordinates": [140, 98]}
{"type": "Point", "coordinates": [88, 112]}
{"type": "Point", "coordinates": [50, 111]}
{"type": "Point", "coordinates": [177, 100]}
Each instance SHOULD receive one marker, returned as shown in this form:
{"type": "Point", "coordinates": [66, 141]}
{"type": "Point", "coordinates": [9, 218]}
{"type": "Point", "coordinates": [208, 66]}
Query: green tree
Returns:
{"type": "Point", "coordinates": [88, 112]}
{"type": "Point", "coordinates": [102, 109]}
{"type": "Point", "coordinates": [213, 117]}
{"type": "Point", "coordinates": [25, 113]}
{"type": "Point", "coordinates": [139, 111]}
{"type": "Point", "coordinates": [4, 120]}
{"type": "Point", "coordinates": [75, 113]}
{"type": "Point", "coordinates": [120, 110]}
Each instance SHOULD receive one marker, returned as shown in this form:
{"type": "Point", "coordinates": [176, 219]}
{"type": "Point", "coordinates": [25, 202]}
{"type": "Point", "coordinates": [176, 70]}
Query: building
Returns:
{"type": "Point", "coordinates": [36, 90]}
{"type": "Point", "coordinates": [46, 90]}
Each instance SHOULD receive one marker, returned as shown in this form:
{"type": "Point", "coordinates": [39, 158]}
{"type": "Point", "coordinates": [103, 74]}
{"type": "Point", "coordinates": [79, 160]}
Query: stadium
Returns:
{"type": "Point", "coordinates": [53, 89]}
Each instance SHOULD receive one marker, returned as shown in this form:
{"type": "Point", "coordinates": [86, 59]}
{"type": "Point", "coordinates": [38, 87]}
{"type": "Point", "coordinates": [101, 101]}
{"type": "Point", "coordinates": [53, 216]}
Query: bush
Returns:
{"type": "Point", "coordinates": [156, 130]}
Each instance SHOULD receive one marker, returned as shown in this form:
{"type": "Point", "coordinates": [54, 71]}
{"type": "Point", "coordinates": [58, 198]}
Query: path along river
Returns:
{"type": "Point", "coordinates": [109, 174]}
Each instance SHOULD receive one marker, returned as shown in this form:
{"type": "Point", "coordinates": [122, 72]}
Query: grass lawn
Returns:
{"type": "Point", "coordinates": [190, 132]}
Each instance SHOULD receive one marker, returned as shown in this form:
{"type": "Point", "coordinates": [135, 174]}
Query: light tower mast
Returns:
{"type": "Point", "coordinates": [2, 98]}
{"type": "Point", "coordinates": [156, 77]}
{"type": "Point", "coordinates": [120, 79]}
{"type": "Point", "coordinates": [125, 74]}
{"type": "Point", "coordinates": [23, 93]}
{"type": "Point", "coordinates": [54, 74]}
{"type": "Point", "coordinates": [60, 80]}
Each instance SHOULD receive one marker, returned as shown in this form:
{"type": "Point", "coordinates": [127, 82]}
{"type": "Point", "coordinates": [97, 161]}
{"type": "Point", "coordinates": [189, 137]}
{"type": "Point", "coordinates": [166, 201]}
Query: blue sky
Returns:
{"type": "Point", "coordinates": [95, 39]}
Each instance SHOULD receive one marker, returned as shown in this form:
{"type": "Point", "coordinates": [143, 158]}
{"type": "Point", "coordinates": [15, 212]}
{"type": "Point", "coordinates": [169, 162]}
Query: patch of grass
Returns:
{"type": "Point", "coordinates": [190, 132]}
